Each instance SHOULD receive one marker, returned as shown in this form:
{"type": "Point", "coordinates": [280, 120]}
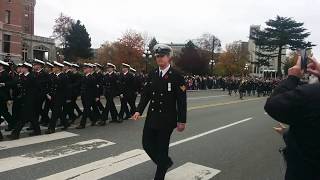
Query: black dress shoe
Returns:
{"type": "Point", "coordinates": [29, 129]}
{"type": "Point", "coordinates": [116, 121]}
{"type": "Point", "coordinates": [80, 127]}
{"type": "Point", "coordinates": [93, 123]}
{"type": "Point", "coordinates": [101, 123]}
{"type": "Point", "coordinates": [72, 120]}
{"type": "Point", "coordinates": [161, 172]}
{"type": "Point", "coordinates": [8, 129]}
{"type": "Point", "coordinates": [65, 128]}
{"type": "Point", "coordinates": [45, 124]}
{"type": "Point", "coordinates": [79, 115]}
{"type": "Point", "coordinates": [49, 131]}
{"type": "Point", "coordinates": [35, 134]}
{"type": "Point", "coordinates": [13, 136]}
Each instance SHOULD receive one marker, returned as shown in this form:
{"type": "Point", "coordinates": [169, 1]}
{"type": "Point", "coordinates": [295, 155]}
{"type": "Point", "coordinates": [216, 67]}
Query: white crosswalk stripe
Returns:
{"type": "Point", "coordinates": [103, 168]}
{"type": "Point", "coordinates": [15, 162]}
{"type": "Point", "coordinates": [35, 140]}
{"type": "Point", "coordinates": [111, 165]}
{"type": "Point", "coordinates": [191, 171]}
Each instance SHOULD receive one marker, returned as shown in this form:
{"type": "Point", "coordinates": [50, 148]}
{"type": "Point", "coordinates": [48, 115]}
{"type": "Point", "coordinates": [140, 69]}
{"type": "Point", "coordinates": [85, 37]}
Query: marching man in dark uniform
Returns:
{"type": "Point", "coordinates": [16, 97]}
{"type": "Point", "coordinates": [76, 84]}
{"type": "Point", "coordinates": [136, 84]}
{"type": "Point", "coordinates": [42, 79]}
{"type": "Point", "coordinates": [111, 86]}
{"type": "Point", "coordinates": [99, 78]}
{"type": "Point", "coordinates": [127, 92]}
{"type": "Point", "coordinates": [28, 100]}
{"type": "Point", "coordinates": [47, 105]}
{"type": "Point", "coordinates": [166, 91]}
{"type": "Point", "coordinates": [68, 109]}
{"type": "Point", "coordinates": [89, 96]}
{"type": "Point", "coordinates": [4, 92]}
{"type": "Point", "coordinates": [57, 97]}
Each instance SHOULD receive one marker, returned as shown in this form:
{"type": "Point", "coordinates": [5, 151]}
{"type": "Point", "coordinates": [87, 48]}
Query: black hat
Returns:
{"type": "Point", "coordinates": [75, 66]}
{"type": "Point", "coordinates": [98, 65]}
{"type": "Point", "coordinates": [162, 49]}
{"type": "Point", "coordinates": [27, 65]}
{"type": "Point", "coordinates": [66, 63]}
{"type": "Point", "coordinates": [111, 65]}
{"type": "Point", "coordinates": [37, 61]}
{"type": "Point", "coordinates": [49, 64]}
{"type": "Point", "coordinates": [126, 65]}
{"type": "Point", "coordinates": [3, 63]}
{"type": "Point", "coordinates": [88, 65]}
{"type": "Point", "coordinates": [57, 64]}
{"type": "Point", "coordinates": [133, 70]}
{"type": "Point", "coordinates": [19, 65]}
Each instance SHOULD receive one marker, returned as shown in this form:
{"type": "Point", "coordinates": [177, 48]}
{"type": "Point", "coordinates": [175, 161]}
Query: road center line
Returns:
{"type": "Point", "coordinates": [209, 132]}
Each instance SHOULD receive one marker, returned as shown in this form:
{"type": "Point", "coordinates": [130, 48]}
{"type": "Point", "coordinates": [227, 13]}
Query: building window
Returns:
{"type": "Point", "coordinates": [7, 17]}
{"type": "Point", "coordinates": [6, 43]}
{"type": "Point", "coordinates": [24, 53]}
{"type": "Point", "coordinates": [26, 28]}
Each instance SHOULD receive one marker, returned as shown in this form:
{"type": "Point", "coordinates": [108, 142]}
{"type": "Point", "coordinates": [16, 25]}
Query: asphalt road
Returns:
{"type": "Point", "coordinates": [225, 139]}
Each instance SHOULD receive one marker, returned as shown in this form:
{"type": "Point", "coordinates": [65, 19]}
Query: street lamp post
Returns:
{"type": "Point", "coordinates": [147, 55]}
{"type": "Point", "coordinates": [212, 63]}
{"type": "Point", "coordinates": [246, 68]}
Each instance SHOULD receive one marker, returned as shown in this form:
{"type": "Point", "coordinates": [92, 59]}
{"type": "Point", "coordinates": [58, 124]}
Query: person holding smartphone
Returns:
{"type": "Point", "coordinates": [299, 107]}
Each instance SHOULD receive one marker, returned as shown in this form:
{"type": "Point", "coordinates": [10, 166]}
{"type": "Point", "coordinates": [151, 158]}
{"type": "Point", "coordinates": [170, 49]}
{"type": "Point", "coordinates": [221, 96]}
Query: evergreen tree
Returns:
{"type": "Point", "coordinates": [280, 34]}
{"type": "Point", "coordinates": [78, 43]}
{"type": "Point", "coordinates": [193, 60]}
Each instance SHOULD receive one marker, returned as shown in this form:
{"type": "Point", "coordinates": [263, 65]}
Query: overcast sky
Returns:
{"type": "Point", "coordinates": [176, 20]}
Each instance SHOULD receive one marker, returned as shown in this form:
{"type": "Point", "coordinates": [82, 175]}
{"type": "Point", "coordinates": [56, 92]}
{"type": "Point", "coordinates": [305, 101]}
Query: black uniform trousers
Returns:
{"type": "Point", "coordinates": [26, 114]}
{"type": "Point", "coordinates": [57, 112]}
{"type": "Point", "coordinates": [89, 111]}
{"type": "Point", "coordinates": [75, 105]}
{"type": "Point", "coordinates": [5, 113]}
{"type": "Point", "coordinates": [68, 110]}
{"type": "Point", "coordinates": [110, 107]}
{"type": "Point", "coordinates": [38, 106]}
{"type": "Point", "coordinates": [45, 112]}
{"type": "Point", "coordinates": [127, 99]}
{"type": "Point", "coordinates": [16, 105]}
{"type": "Point", "coordinates": [156, 144]}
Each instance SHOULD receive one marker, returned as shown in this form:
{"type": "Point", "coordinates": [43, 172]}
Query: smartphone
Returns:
{"type": "Point", "coordinates": [305, 53]}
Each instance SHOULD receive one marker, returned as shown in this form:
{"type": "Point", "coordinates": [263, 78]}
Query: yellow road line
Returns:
{"type": "Point", "coordinates": [221, 104]}
{"type": "Point", "coordinates": [217, 104]}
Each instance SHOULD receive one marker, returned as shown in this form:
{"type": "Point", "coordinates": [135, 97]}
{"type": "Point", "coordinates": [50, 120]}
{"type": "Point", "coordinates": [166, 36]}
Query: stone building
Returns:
{"type": "Point", "coordinates": [17, 40]}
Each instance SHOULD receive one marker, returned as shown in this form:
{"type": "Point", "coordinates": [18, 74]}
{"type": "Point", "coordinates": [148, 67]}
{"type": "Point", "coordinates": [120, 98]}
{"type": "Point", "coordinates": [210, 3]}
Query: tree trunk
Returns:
{"type": "Point", "coordinates": [279, 71]}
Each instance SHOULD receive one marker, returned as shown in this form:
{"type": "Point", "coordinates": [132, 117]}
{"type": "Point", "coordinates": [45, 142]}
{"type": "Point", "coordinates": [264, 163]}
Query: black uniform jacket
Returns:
{"type": "Point", "coordinates": [168, 100]}
{"type": "Point", "coordinates": [299, 106]}
{"type": "Point", "coordinates": [4, 91]}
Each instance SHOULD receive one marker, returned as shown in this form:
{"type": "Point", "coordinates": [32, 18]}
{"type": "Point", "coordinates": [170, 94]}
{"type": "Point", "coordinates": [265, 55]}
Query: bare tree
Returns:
{"type": "Point", "coordinates": [61, 28]}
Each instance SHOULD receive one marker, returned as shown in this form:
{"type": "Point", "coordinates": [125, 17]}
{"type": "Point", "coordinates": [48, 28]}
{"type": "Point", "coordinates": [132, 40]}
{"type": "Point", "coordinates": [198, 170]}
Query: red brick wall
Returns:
{"type": "Point", "coordinates": [14, 29]}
